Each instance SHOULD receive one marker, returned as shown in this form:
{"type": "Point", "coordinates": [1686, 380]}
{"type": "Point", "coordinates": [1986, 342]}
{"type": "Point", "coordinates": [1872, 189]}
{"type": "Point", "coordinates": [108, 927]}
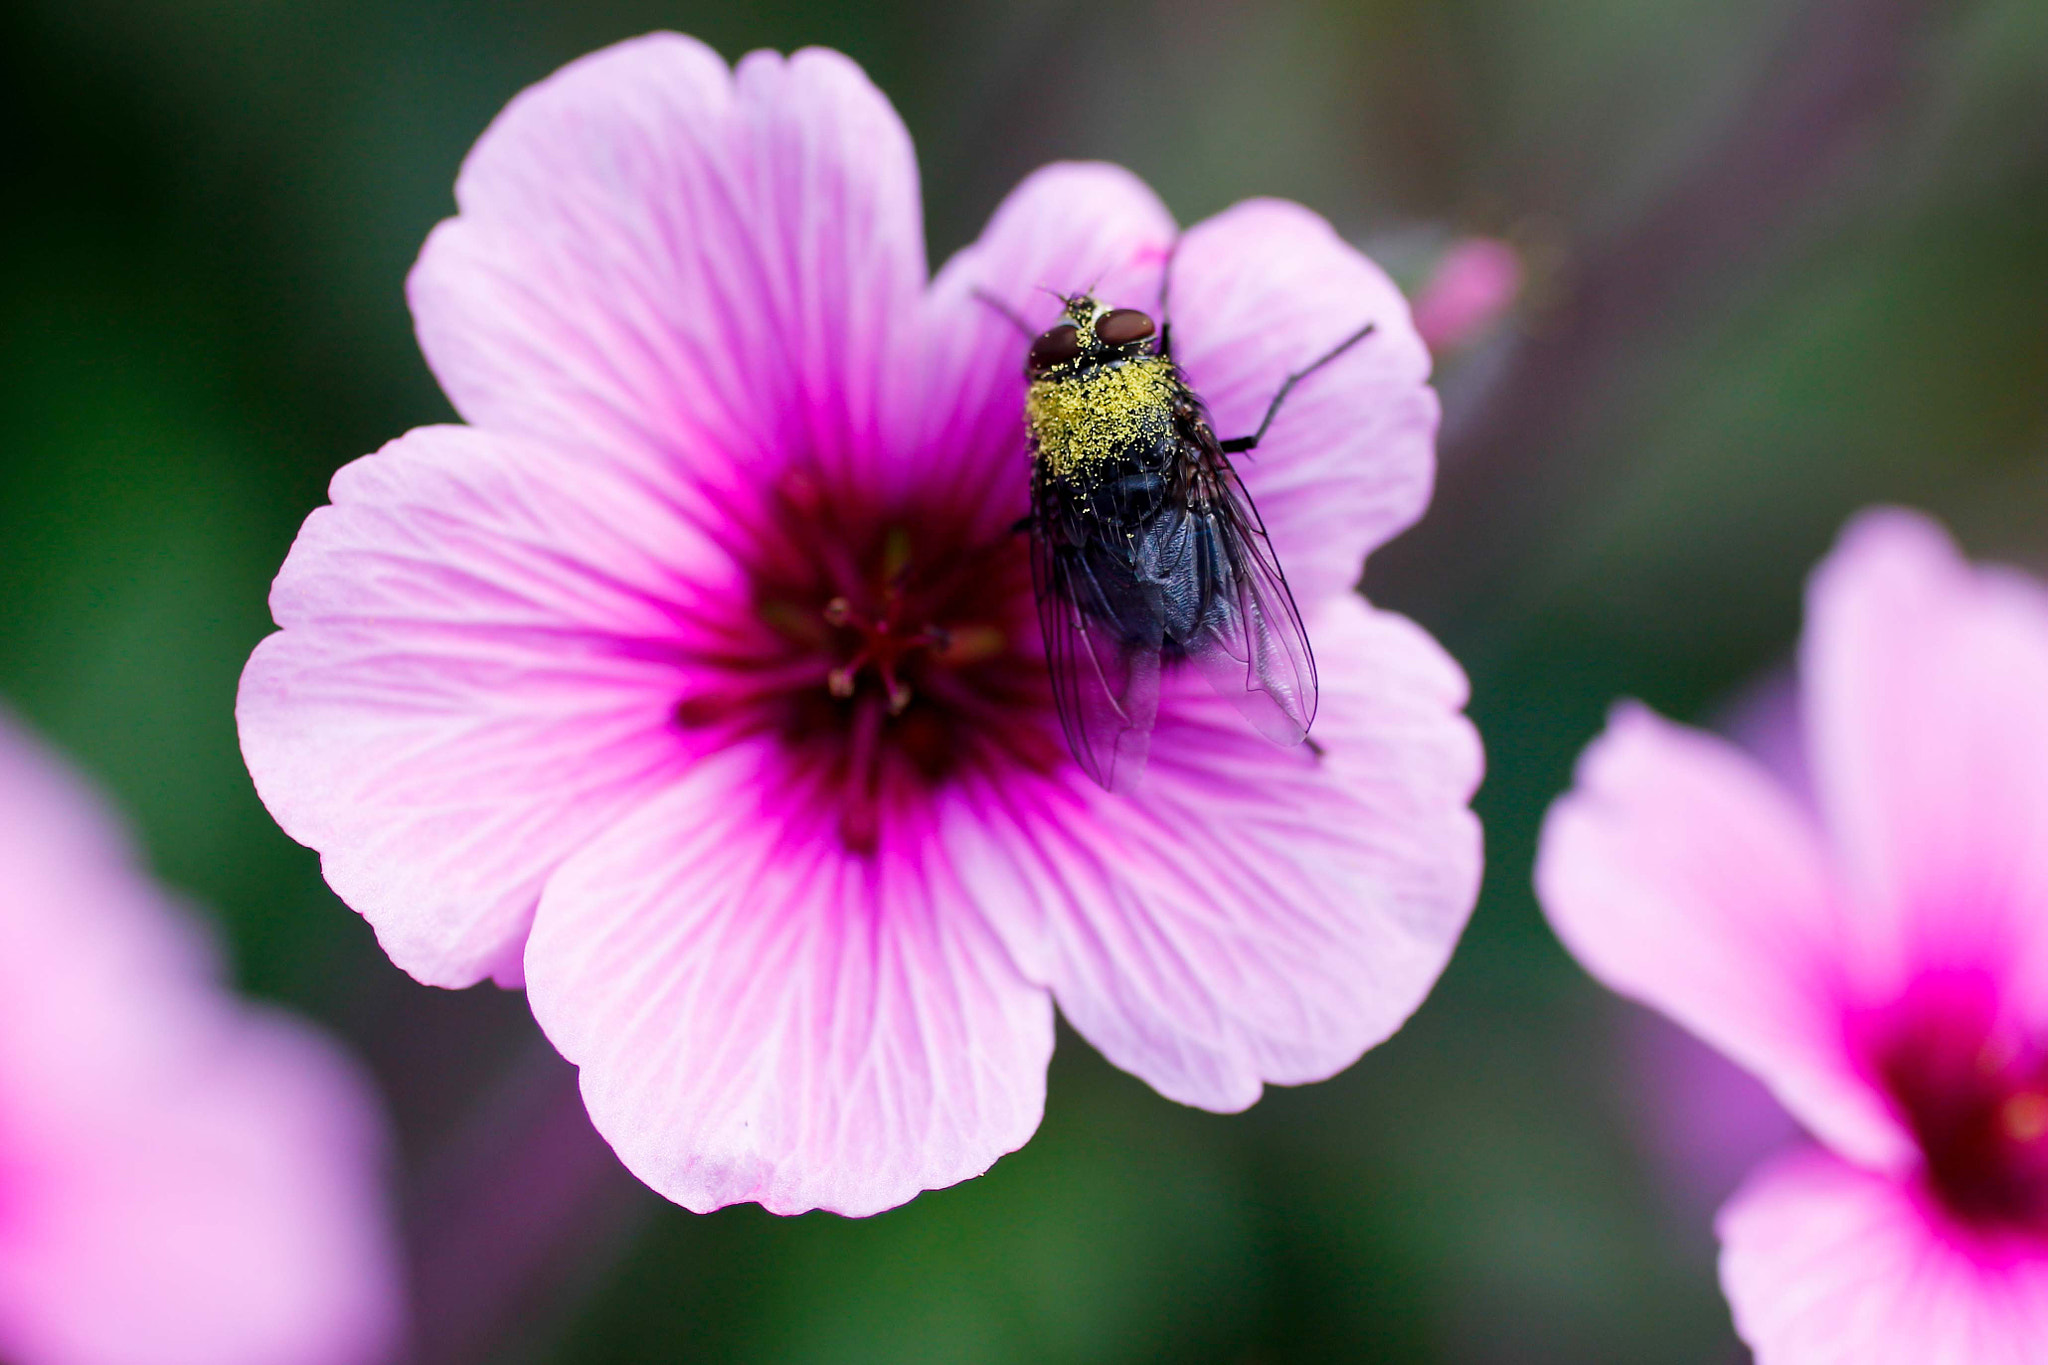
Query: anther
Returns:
{"type": "Point", "coordinates": [839, 612]}
{"type": "Point", "coordinates": [2024, 1116]}
{"type": "Point", "coordinates": [895, 555]}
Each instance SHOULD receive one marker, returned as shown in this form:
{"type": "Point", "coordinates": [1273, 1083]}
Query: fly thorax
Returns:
{"type": "Point", "coordinates": [1083, 420]}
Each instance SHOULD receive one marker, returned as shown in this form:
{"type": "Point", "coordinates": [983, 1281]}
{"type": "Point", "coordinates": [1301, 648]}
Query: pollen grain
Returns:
{"type": "Point", "coordinates": [1079, 421]}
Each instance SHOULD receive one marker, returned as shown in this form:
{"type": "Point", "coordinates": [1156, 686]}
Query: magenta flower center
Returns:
{"type": "Point", "coordinates": [888, 650]}
{"type": "Point", "coordinates": [1976, 1100]}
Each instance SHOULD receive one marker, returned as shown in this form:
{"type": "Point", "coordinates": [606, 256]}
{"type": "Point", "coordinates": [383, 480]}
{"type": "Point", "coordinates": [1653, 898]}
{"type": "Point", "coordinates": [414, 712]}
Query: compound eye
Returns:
{"type": "Point", "coordinates": [1061, 344]}
{"type": "Point", "coordinates": [1122, 326]}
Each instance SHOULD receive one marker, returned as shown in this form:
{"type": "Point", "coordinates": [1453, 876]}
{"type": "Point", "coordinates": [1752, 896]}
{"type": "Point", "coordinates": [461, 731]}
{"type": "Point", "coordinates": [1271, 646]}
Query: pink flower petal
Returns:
{"type": "Point", "coordinates": [1826, 1264]}
{"type": "Point", "coordinates": [1069, 226]}
{"type": "Point", "coordinates": [1679, 874]}
{"type": "Point", "coordinates": [214, 1215]}
{"type": "Point", "coordinates": [96, 978]}
{"type": "Point", "coordinates": [667, 260]}
{"type": "Point", "coordinates": [1925, 684]}
{"type": "Point", "coordinates": [760, 1015]}
{"type": "Point", "coordinates": [1250, 914]}
{"type": "Point", "coordinates": [182, 1181]}
{"type": "Point", "coordinates": [1264, 290]}
{"type": "Point", "coordinates": [475, 674]}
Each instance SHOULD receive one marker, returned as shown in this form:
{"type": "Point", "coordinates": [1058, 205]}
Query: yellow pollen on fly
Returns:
{"type": "Point", "coordinates": [1079, 421]}
{"type": "Point", "coordinates": [2024, 1116]}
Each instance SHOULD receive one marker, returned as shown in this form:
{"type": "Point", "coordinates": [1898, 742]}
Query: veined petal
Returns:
{"type": "Point", "coordinates": [1925, 681]}
{"type": "Point", "coordinates": [478, 670]}
{"type": "Point", "coordinates": [680, 265]}
{"type": "Point", "coordinates": [1262, 291]}
{"type": "Point", "coordinates": [1249, 914]}
{"type": "Point", "coordinates": [1069, 226]}
{"type": "Point", "coordinates": [1826, 1264]}
{"type": "Point", "coordinates": [1679, 874]}
{"type": "Point", "coordinates": [761, 1015]}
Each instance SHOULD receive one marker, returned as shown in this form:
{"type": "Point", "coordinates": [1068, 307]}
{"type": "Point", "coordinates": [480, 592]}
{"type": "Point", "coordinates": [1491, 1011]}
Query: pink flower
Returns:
{"type": "Point", "coordinates": [184, 1180]}
{"type": "Point", "coordinates": [1475, 282]}
{"type": "Point", "coordinates": [1877, 955]}
{"type": "Point", "coordinates": [554, 691]}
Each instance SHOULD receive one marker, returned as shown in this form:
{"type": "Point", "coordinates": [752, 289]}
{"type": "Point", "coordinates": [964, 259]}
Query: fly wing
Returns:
{"type": "Point", "coordinates": [1102, 650]}
{"type": "Point", "coordinates": [1250, 644]}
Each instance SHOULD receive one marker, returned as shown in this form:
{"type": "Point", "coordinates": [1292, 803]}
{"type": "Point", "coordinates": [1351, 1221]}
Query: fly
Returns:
{"type": "Point", "coordinates": [1146, 550]}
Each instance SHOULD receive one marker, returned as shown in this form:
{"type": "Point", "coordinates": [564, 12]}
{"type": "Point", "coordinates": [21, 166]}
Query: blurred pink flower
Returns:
{"type": "Point", "coordinates": [551, 695]}
{"type": "Point", "coordinates": [1475, 282]}
{"type": "Point", "coordinates": [1878, 956]}
{"type": "Point", "coordinates": [184, 1180]}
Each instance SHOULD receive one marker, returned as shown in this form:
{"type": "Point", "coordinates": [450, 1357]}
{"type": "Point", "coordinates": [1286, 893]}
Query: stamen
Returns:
{"type": "Point", "coordinates": [886, 646]}
{"type": "Point", "coordinates": [898, 690]}
{"type": "Point", "coordinates": [840, 681]}
{"type": "Point", "coordinates": [899, 620]}
{"type": "Point", "coordinates": [895, 555]}
{"type": "Point", "coordinates": [971, 644]}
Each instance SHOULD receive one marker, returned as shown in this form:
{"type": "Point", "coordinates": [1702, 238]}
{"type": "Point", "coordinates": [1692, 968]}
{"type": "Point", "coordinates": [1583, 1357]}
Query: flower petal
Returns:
{"type": "Point", "coordinates": [1826, 1264]}
{"type": "Point", "coordinates": [225, 1213]}
{"type": "Point", "coordinates": [181, 1180]}
{"type": "Point", "coordinates": [1679, 874]}
{"type": "Point", "coordinates": [760, 1015]}
{"type": "Point", "coordinates": [1262, 291]}
{"type": "Point", "coordinates": [477, 671]}
{"type": "Point", "coordinates": [99, 983]}
{"type": "Point", "coordinates": [678, 264]}
{"type": "Point", "coordinates": [1068, 226]}
{"type": "Point", "coordinates": [1925, 683]}
{"type": "Point", "coordinates": [1250, 914]}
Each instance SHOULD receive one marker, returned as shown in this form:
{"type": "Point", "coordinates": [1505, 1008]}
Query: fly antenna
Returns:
{"type": "Point", "coordinates": [1009, 313]}
{"type": "Point", "coordinates": [1165, 297]}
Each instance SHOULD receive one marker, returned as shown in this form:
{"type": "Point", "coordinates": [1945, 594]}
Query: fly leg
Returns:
{"type": "Point", "coordinates": [1237, 444]}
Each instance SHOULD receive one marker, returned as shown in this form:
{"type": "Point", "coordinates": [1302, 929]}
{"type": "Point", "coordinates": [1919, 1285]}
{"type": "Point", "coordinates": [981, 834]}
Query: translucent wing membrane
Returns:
{"type": "Point", "coordinates": [1238, 622]}
{"type": "Point", "coordinates": [1102, 634]}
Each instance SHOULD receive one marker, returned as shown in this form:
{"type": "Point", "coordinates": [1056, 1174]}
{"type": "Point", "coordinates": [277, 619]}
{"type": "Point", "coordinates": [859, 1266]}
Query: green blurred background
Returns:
{"type": "Point", "coordinates": [1787, 259]}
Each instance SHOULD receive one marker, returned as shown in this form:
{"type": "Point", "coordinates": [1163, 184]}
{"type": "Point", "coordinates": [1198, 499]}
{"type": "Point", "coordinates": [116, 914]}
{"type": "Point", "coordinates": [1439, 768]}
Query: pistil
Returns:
{"type": "Point", "coordinates": [882, 645]}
